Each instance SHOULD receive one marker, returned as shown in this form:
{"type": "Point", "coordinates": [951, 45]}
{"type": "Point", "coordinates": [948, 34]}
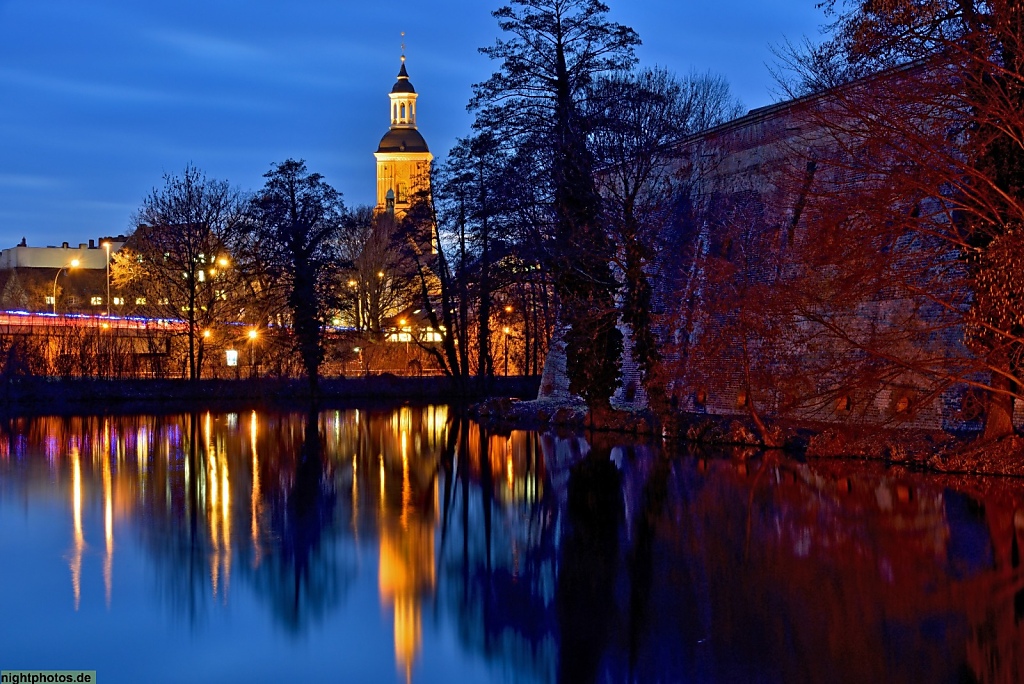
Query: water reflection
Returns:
{"type": "Point", "coordinates": [516, 556]}
{"type": "Point", "coordinates": [79, 543]}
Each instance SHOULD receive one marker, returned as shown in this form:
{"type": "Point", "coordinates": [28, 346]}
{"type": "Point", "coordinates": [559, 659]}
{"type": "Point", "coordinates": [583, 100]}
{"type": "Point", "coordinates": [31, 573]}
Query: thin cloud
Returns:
{"type": "Point", "coordinates": [209, 48]}
{"type": "Point", "coordinates": [23, 181]}
{"type": "Point", "coordinates": [79, 88]}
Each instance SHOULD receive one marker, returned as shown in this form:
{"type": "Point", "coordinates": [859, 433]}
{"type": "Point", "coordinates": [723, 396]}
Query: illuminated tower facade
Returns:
{"type": "Point", "coordinates": [403, 159]}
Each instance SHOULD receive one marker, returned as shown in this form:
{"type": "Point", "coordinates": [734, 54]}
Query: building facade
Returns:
{"type": "Point", "coordinates": [64, 279]}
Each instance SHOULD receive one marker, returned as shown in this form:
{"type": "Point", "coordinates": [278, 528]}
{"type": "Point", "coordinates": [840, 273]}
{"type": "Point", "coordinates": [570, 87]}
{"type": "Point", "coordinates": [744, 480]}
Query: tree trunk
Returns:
{"type": "Point", "coordinates": [999, 413]}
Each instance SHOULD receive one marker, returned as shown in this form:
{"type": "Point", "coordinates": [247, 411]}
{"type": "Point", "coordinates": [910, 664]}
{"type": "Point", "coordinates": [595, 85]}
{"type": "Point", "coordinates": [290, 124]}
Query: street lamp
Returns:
{"type": "Point", "coordinates": [106, 246]}
{"type": "Point", "coordinates": [506, 330]}
{"type": "Point", "coordinates": [253, 334]}
{"type": "Point", "coordinates": [72, 264]}
{"type": "Point", "coordinates": [359, 351]}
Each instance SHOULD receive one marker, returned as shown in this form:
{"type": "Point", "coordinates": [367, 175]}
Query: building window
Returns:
{"type": "Point", "coordinates": [165, 301]}
{"type": "Point", "coordinates": [141, 301]}
{"type": "Point", "coordinates": [50, 300]}
{"type": "Point", "coordinates": [202, 276]}
{"type": "Point", "coordinates": [96, 301]}
{"type": "Point", "coordinates": [118, 301]}
{"type": "Point", "coordinates": [72, 300]}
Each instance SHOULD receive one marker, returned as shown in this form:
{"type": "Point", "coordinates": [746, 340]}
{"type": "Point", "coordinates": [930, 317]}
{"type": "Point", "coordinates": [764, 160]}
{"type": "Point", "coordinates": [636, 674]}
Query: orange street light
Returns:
{"type": "Point", "coordinates": [71, 264]}
{"type": "Point", "coordinates": [253, 334]}
{"type": "Point", "coordinates": [506, 330]}
{"type": "Point", "coordinates": [106, 246]}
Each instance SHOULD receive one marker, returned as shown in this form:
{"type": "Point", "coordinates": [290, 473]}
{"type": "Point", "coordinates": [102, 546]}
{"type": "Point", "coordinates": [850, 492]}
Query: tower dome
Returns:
{"type": "Point", "coordinates": [403, 158]}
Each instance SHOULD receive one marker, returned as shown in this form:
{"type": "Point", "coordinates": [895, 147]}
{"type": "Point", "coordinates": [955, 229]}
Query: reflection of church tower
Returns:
{"type": "Point", "coordinates": [403, 160]}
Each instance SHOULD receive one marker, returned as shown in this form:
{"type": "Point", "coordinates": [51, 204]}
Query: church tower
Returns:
{"type": "Point", "coordinates": [403, 160]}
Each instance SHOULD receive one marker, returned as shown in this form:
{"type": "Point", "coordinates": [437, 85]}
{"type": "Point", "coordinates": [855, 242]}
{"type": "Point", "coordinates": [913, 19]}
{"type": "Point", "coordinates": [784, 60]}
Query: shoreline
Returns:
{"type": "Point", "coordinates": [935, 451]}
{"type": "Point", "coordinates": [72, 396]}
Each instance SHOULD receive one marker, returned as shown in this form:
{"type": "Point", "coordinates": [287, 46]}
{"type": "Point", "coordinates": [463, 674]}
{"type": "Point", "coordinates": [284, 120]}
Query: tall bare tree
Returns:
{"type": "Point", "coordinates": [554, 50]}
{"type": "Point", "coordinates": [182, 254]}
{"type": "Point", "coordinates": [298, 217]}
{"type": "Point", "coordinates": [638, 119]}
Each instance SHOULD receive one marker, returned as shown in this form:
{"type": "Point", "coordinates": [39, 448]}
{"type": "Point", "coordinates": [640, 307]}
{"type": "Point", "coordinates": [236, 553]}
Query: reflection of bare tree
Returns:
{"type": "Point", "coordinates": [588, 565]}
{"type": "Point", "coordinates": [221, 516]}
{"type": "Point", "coordinates": [306, 576]}
{"type": "Point", "coordinates": [498, 548]}
{"type": "Point", "coordinates": [177, 539]}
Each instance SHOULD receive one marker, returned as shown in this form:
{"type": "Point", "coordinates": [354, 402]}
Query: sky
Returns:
{"type": "Point", "coordinates": [100, 99]}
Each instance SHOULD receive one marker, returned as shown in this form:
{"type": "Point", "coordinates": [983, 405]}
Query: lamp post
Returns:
{"type": "Point", "coordinates": [72, 264]}
{"type": "Point", "coordinates": [506, 330]}
{"type": "Point", "coordinates": [253, 334]}
{"type": "Point", "coordinates": [106, 246]}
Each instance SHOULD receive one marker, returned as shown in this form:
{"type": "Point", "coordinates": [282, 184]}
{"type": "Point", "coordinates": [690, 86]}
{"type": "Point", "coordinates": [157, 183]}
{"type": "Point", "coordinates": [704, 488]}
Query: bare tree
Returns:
{"type": "Point", "coordinates": [181, 248]}
{"type": "Point", "coordinates": [638, 119]}
{"type": "Point", "coordinates": [298, 217]}
{"type": "Point", "coordinates": [377, 275]}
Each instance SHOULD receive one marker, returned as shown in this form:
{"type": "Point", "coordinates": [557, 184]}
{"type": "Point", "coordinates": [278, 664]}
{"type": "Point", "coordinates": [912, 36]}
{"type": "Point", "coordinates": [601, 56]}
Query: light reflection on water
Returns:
{"type": "Point", "coordinates": [407, 545]}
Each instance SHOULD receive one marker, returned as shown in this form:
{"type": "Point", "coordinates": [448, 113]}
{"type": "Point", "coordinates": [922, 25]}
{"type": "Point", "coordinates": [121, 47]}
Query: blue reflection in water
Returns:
{"type": "Point", "coordinates": [407, 545]}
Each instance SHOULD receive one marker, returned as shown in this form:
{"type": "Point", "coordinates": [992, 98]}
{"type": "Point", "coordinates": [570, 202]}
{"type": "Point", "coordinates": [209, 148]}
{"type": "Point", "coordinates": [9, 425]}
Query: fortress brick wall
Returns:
{"type": "Point", "coordinates": [750, 224]}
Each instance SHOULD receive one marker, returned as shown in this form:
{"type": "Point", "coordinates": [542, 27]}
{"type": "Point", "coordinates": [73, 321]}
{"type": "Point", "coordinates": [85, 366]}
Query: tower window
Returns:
{"type": "Point", "coordinates": [403, 110]}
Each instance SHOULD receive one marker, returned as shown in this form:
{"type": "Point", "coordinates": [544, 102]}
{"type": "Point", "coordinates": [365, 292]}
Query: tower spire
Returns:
{"type": "Point", "coordinates": [403, 159]}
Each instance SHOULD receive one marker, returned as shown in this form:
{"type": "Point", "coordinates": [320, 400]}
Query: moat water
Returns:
{"type": "Point", "coordinates": [409, 545]}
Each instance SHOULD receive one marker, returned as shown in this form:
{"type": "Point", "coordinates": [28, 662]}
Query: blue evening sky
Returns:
{"type": "Point", "coordinates": [100, 98]}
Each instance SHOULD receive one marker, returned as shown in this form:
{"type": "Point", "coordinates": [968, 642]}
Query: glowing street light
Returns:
{"type": "Point", "coordinates": [106, 246]}
{"type": "Point", "coordinates": [253, 334]}
{"type": "Point", "coordinates": [72, 264]}
{"type": "Point", "coordinates": [506, 330]}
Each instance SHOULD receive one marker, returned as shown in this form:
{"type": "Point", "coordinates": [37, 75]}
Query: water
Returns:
{"type": "Point", "coordinates": [403, 545]}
